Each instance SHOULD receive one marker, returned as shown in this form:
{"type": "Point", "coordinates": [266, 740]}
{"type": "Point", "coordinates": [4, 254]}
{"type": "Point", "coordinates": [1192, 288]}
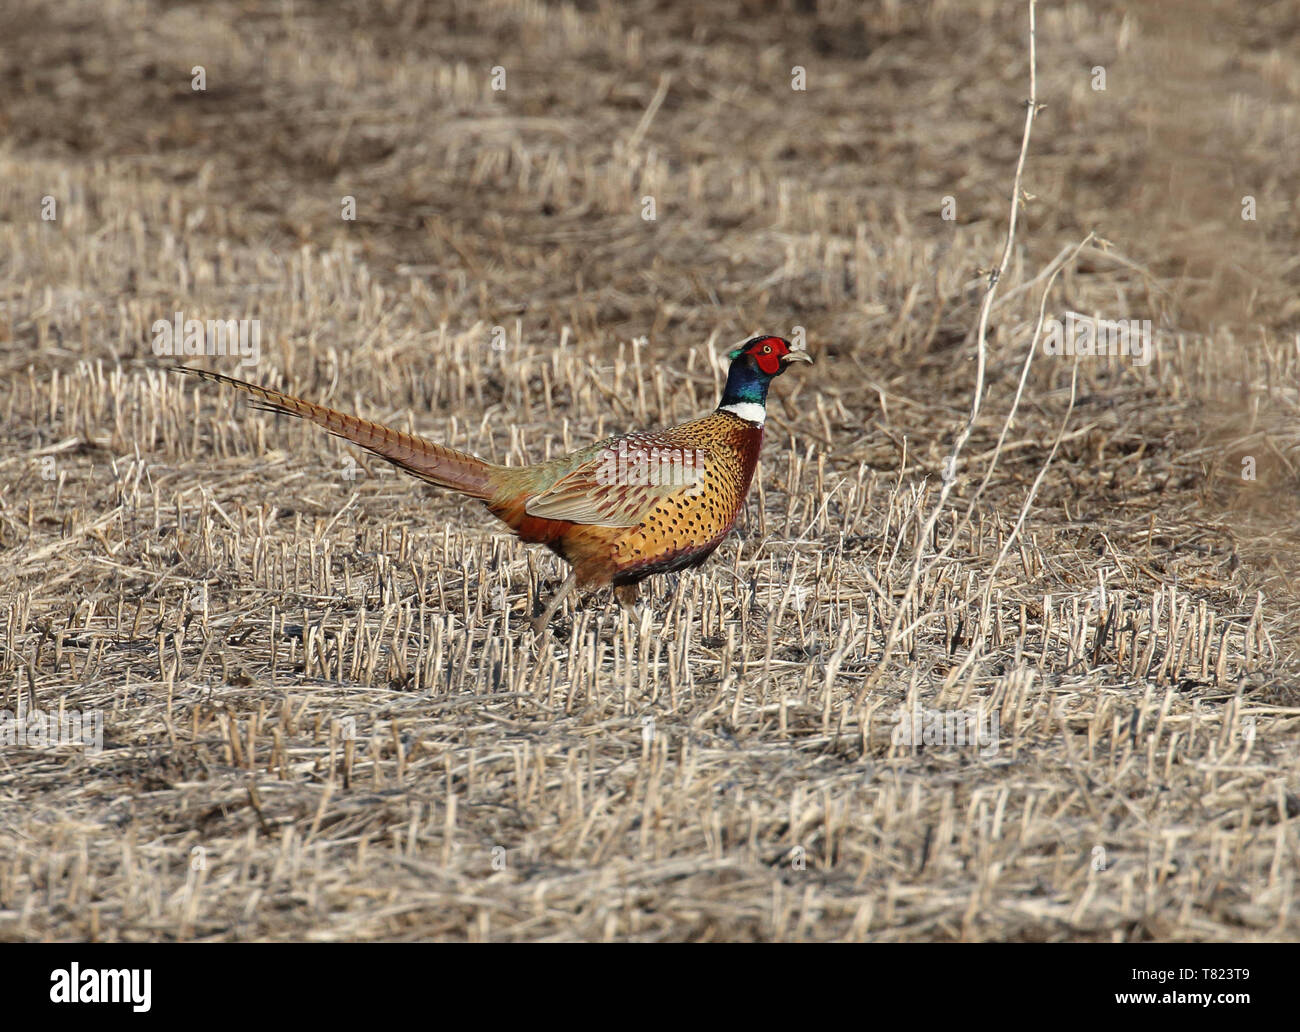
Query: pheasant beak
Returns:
{"type": "Point", "coordinates": [797, 356]}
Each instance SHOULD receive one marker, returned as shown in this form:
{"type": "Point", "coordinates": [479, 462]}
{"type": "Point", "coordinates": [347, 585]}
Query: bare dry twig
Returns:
{"type": "Point", "coordinates": [995, 275]}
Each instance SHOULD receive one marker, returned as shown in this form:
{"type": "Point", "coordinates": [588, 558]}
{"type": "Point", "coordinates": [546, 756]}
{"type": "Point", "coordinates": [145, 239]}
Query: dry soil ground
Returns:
{"type": "Point", "coordinates": [323, 715]}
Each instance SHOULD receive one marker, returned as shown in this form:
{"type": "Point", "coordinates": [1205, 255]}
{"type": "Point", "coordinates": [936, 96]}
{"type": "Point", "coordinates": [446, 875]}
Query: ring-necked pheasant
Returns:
{"type": "Point", "coordinates": [617, 511]}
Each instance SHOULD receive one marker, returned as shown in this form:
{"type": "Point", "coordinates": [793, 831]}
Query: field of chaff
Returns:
{"type": "Point", "coordinates": [1063, 705]}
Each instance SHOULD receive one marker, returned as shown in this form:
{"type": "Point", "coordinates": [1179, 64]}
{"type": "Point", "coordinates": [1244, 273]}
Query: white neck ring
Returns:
{"type": "Point", "coordinates": [749, 411]}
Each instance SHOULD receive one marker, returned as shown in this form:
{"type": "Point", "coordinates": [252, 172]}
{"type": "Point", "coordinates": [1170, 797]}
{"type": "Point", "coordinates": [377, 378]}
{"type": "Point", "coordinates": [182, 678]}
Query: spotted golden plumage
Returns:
{"type": "Point", "coordinates": [618, 511]}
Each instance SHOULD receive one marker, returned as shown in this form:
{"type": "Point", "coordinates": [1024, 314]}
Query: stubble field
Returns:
{"type": "Point", "coordinates": [324, 715]}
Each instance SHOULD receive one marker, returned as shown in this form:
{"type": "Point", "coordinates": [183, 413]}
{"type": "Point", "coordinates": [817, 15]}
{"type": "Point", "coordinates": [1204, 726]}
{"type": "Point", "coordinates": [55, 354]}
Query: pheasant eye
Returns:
{"type": "Point", "coordinates": [767, 349]}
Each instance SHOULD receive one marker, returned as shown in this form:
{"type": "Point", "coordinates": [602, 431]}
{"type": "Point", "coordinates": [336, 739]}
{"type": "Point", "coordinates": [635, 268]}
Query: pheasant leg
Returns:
{"type": "Point", "coordinates": [626, 595]}
{"type": "Point", "coordinates": [540, 622]}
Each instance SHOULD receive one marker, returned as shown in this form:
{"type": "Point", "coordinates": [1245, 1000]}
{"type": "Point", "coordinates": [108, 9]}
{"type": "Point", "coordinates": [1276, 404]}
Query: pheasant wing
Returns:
{"type": "Point", "coordinates": [622, 483]}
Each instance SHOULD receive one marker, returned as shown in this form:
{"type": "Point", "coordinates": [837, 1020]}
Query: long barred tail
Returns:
{"type": "Point", "coordinates": [445, 467]}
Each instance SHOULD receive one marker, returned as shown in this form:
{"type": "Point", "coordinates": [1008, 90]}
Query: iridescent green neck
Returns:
{"type": "Point", "coordinates": [746, 384]}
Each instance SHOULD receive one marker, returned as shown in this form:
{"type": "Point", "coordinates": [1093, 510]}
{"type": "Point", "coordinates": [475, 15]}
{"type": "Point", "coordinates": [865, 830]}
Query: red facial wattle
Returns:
{"type": "Point", "coordinates": [768, 361]}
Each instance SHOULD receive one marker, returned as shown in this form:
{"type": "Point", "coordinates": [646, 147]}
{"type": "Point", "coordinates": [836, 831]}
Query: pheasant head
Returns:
{"type": "Point", "coordinates": [753, 365]}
